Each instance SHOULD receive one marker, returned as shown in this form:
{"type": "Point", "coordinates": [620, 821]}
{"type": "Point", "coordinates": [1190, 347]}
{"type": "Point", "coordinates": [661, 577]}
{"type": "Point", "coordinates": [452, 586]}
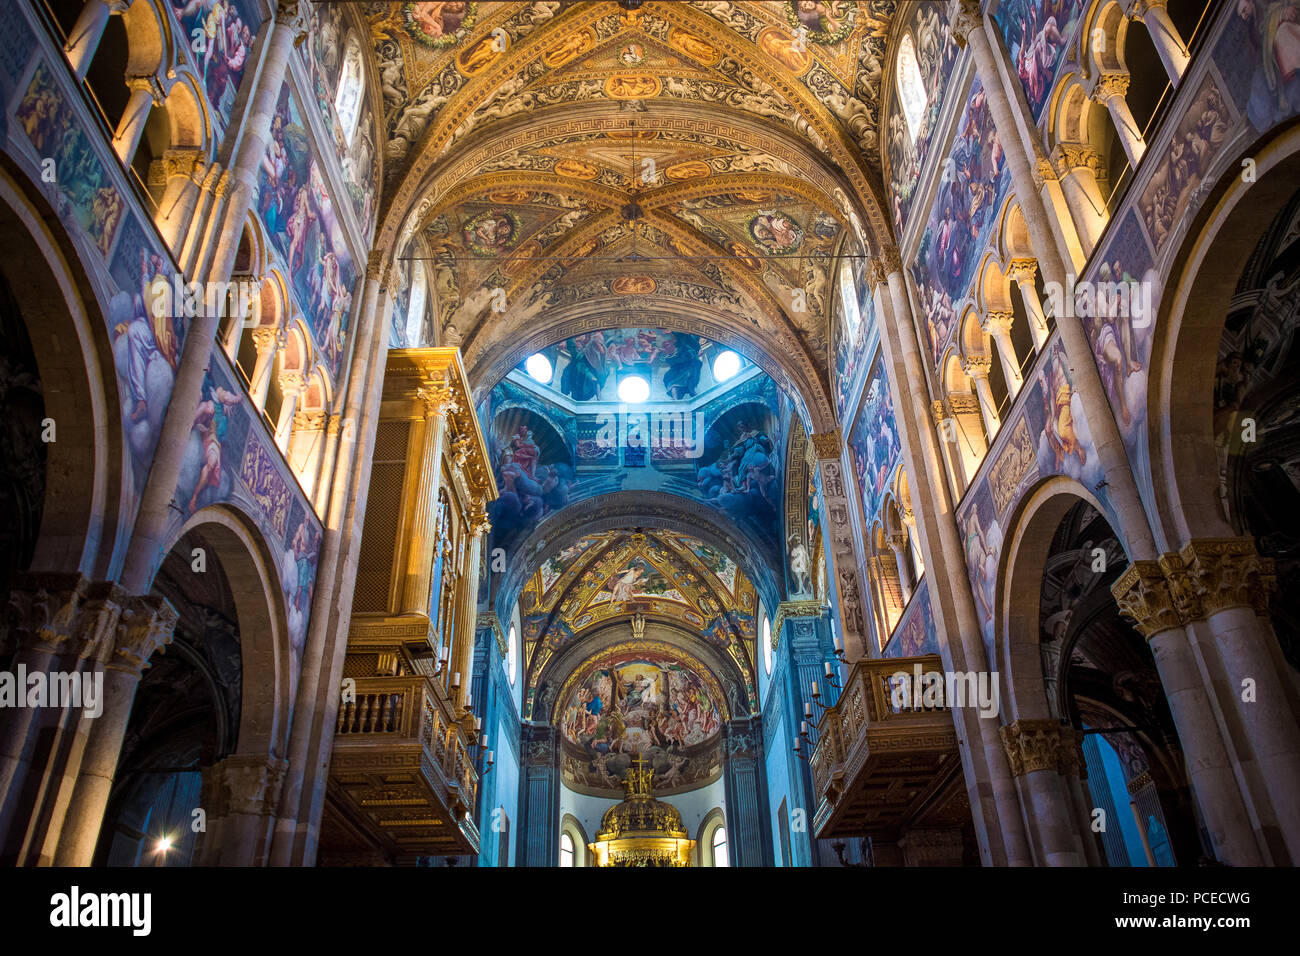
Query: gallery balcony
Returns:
{"type": "Point", "coordinates": [401, 771]}
{"type": "Point", "coordinates": [882, 765]}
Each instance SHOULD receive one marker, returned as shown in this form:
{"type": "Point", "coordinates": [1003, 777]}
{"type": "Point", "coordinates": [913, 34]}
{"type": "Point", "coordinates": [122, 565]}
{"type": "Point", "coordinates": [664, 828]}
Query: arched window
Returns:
{"type": "Point", "coordinates": [849, 297]}
{"type": "Point", "coordinates": [720, 846]}
{"type": "Point", "coordinates": [566, 850]}
{"type": "Point", "coordinates": [910, 87]}
{"type": "Point", "coordinates": [767, 645]}
{"type": "Point", "coordinates": [415, 310]}
{"type": "Point", "coordinates": [347, 101]}
{"type": "Point", "coordinates": [512, 654]}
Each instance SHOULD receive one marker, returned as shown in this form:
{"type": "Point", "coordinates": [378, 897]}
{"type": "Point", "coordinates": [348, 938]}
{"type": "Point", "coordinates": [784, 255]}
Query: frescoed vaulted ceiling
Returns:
{"type": "Point", "coordinates": [679, 165]}
{"type": "Point", "coordinates": [662, 575]}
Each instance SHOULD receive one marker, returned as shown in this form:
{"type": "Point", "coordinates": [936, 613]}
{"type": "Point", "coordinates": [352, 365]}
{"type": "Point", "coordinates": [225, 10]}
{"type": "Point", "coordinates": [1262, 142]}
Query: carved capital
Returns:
{"type": "Point", "coordinates": [243, 784]}
{"type": "Point", "coordinates": [439, 399]}
{"type": "Point", "coordinates": [876, 274]}
{"type": "Point", "coordinates": [827, 444]}
{"type": "Point", "coordinates": [1110, 85]}
{"type": "Point", "coordinates": [375, 266]}
{"type": "Point", "coordinates": [891, 260]}
{"type": "Point", "coordinates": [1033, 745]}
{"type": "Point", "coordinates": [964, 403]}
{"type": "Point", "coordinates": [977, 366]}
{"type": "Point", "coordinates": [1223, 573]}
{"type": "Point", "coordinates": [147, 624]}
{"type": "Point", "coordinates": [1142, 7]}
{"type": "Point", "coordinates": [938, 411]}
{"type": "Point", "coordinates": [1144, 597]}
{"type": "Point", "coordinates": [147, 83]}
{"type": "Point", "coordinates": [1023, 270]}
{"type": "Point", "coordinates": [309, 421]}
{"type": "Point", "coordinates": [964, 18]}
{"type": "Point", "coordinates": [265, 339]}
{"type": "Point", "coordinates": [997, 323]}
{"type": "Point", "coordinates": [1043, 172]}
{"type": "Point", "coordinates": [292, 383]}
{"type": "Point", "coordinates": [1071, 156]}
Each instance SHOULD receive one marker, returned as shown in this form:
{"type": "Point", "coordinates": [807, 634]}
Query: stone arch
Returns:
{"type": "Point", "coordinates": [1182, 455]}
{"type": "Point", "coordinates": [266, 694]}
{"type": "Point", "coordinates": [86, 504]}
{"type": "Point", "coordinates": [1026, 545]}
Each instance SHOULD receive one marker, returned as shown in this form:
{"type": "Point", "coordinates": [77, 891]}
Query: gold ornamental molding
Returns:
{"type": "Point", "coordinates": [1043, 744]}
{"type": "Point", "coordinates": [435, 377]}
{"type": "Point", "coordinates": [787, 609]}
{"type": "Point", "coordinates": [490, 619]}
{"type": "Point", "coordinates": [1208, 576]}
{"type": "Point", "coordinates": [827, 444]}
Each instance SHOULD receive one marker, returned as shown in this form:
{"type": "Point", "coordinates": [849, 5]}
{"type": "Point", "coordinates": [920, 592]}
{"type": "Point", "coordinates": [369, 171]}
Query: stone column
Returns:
{"type": "Point", "coordinates": [995, 805]}
{"type": "Point", "coordinates": [145, 626]}
{"type": "Point", "coordinates": [897, 542]}
{"type": "Point", "coordinates": [322, 666]}
{"type": "Point", "coordinates": [1109, 91]}
{"type": "Point", "coordinates": [213, 182]}
{"type": "Point", "coordinates": [1022, 271]}
{"type": "Point", "coordinates": [968, 26]}
{"type": "Point", "coordinates": [145, 550]}
{"type": "Point", "coordinates": [145, 95]}
{"type": "Point", "coordinates": [292, 385]}
{"type": "Point", "coordinates": [1079, 166]}
{"type": "Point", "coordinates": [946, 426]}
{"type": "Point", "coordinates": [977, 367]}
{"type": "Point", "coordinates": [746, 797]}
{"type": "Point", "coordinates": [828, 448]}
{"type": "Point", "coordinates": [307, 448]}
{"type": "Point", "coordinates": [329, 454]}
{"type": "Point", "coordinates": [267, 341]}
{"type": "Point", "coordinates": [83, 39]}
{"type": "Point", "coordinates": [1228, 584]}
{"type": "Point", "coordinates": [174, 172]}
{"type": "Point", "coordinates": [239, 796]}
{"type": "Point", "coordinates": [1164, 36]}
{"type": "Point", "coordinates": [1145, 597]}
{"type": "Point", "coordinates": [1033, 751]}
{"type": "Point", "coordinates": [997, 325]}
{"type": "Point", "coordinates": [467, 600]}
{"type": "Point", "coordinates": [439, 402]}
{"type": "Point", "coordinates": [539, 799]}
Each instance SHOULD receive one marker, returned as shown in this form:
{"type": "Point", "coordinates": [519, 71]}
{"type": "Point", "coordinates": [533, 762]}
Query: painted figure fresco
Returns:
{"type": "Point", "coordinates": [1273, 27]}
{"type": "Point", "coordinates": [738, 471]}
{"type": "Point", "coordinates": [1037, 34]}
{"type": "Point", "coordinates": [227, 29]}
{"type": "Point", "coordinates": [1065, 444]}
{"type": "Point", "coordinates": [640, 704]}
{"type": "Point", "coordinates": [973, 184]}
{"type": "Point", "coordinates": [586, 366]}
{"type": "Point", "coordinates": [639, 579]}
{"type": "Point", "coordinates": [333, 57]}
{"type": "Point", "coordinates": [534, 480]}
{"type": "Point", "coordinates": [915, 633]}
{"type": "Point", "coordinates": [935, 53]}
{"type": "Point", "coordinates": [822, 21]}
{"type": "Point", "coordinates": [874, 440]}
{"type": "Point", "coordinates": [300, 217]}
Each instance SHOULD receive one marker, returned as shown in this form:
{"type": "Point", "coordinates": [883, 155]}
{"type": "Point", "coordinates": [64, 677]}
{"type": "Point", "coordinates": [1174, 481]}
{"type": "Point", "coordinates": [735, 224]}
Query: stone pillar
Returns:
{"type": "Point", "coordinates": [946, 426]}
{"type": "Point", "coordinates": [145, 551]}
{"type": "Point", "coordinates": [145, 95]}
{"type": "Point", "coordinates": [467, 600]}
{"type": "Point", "coordinates": [292, 385]}
{"type": "Point", "coordinates": [977, 367]}
{"type": "Point", "coordinates": [174, 172]}
{"type": "Point", "coordinates": [1227, 583]}
{"type": "Point", "coordinates": [746, 795]}
{"type": "Point", "coordinates": [51, 617]}
{"type": "Point", "coordinates": [1034, 753]}
{"type": "Point", "coordinates": [539, 798]}
{"type": "Point", "coordinates": [145, 626]}
{"type": "Point", "coordinates": [83, 39]}
{"type": "Point", "coordinates": [267, 341]}
{"type": "Point", "coordinates": [828, 448]}
{"type": "Point", "coordinates": [1145, 597]}
{"type": "Point", "coordinates": [438, 404]}
{"type": "Point", "coordinates": [1079, 165]}
{"type": "Point", "coordinates": [213, 182]}
{"type": "Point", "coordinates": [995, 805]}
{"type": "Point", "coordinates": [997, 325]}
{"type": "Point", "coordinates": [968, 26]}
{"type": "Point", "coordinates": [1022, 271]}
{"type": "Point", "coordinates": [1154, 14]}
{"type": "Point", "coordinates": [931, 847]}
{"type": "Point", "coordinates": [322, 666]}
{"type": "Point", "coordinates": [307, 448]}
{"type": "Point", "coordinates": [897, 542]}
{"type": "Point", "coordinates": [1109, 91]}
{"type": "Point", "coordinates": [239, 796]}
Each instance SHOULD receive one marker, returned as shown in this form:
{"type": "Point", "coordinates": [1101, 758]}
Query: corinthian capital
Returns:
{"type": "Point", "coordinates": [1144, 597]}
{"type": "Point", "coordinates": [1110, 85]}
{"type": "Point", "coordinates": [147, 624]}
{"type": "Point", "coordinates": [964, 17]}
{"type": "Point", "coordinates": [996, 323]}
{"type": "Point", "coordinates": [891, 260]}
{"type": "Point", "coordinates": [1222, 573]}
{"type": "Point", "coordinates": [438, 397]}
{"type": "Point", "coordinates": [1023, 270]}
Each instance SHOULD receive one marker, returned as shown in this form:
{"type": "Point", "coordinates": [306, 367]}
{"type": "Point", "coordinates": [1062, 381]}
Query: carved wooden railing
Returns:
{"type": "Point", "coordinates": [405, 710]}
{"type": "Point", "coordinates": [869, 701]}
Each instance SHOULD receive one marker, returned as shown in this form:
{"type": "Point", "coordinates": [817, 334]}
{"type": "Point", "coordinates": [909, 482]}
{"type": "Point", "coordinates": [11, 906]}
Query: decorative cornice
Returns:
{"type": "Point", "coordinates": [489, 619]}
{"type": "Point", "coordinates": [791, 609]}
